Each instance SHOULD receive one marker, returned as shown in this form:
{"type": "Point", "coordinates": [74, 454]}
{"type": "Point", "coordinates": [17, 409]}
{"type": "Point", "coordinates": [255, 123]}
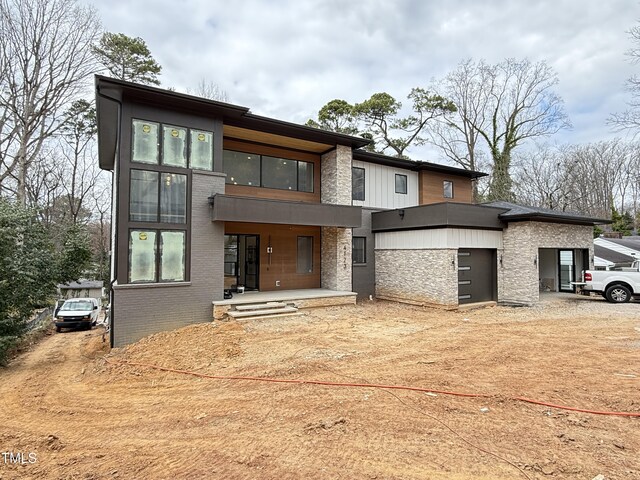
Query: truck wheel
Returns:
{"type": "Point", "coordinates": [618, 294]}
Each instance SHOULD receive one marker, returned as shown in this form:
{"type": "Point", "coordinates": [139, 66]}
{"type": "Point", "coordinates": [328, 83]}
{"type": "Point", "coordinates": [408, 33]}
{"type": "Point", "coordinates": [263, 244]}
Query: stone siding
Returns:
{"type": "Point", "coordinates": [518, 262]}
{"type": "Point", "coordinates": [427, 277]}
{"type": "Point", "coordinates": [335, 176]}
{"type": "Point", "coordinates": [140, 310]}
{"type": "Point", "coordinates": [336, 187]}
{"type": "Point", "coordinates": [336, 258]}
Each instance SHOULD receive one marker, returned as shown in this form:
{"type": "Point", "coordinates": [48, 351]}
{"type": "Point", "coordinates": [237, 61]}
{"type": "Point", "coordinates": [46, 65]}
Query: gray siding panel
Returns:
{"type": "Point", "coordinates": [364, 275]}
{"type": "Point", "coordinates": [140, 310]}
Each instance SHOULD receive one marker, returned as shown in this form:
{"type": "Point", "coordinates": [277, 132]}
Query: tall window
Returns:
{"type": "Point", "coordinates": [305, 255]}
{"type": "Point", "coordinates": [357, 181]}
{"type": "Point", "coordinates": [157, 197]}
{"type": "Point", "coordinates": [448, 189]}
{"type": "Point", "coordinates": [401, 183]}
{"type": "Point", "coordinates": [157, 144]}
{"type": "Point", "coordinates": [359, 250]}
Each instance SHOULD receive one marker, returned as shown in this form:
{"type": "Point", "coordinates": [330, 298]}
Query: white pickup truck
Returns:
{"type": "Point", "coordinates": [617, 285]}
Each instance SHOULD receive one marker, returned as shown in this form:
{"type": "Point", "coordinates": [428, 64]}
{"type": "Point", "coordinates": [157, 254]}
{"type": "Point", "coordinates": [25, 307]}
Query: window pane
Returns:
{"type": "Point", "coordinates": [305, 176]}
{"type": "Point", "coordinates": [145, 142]}
{"type": "Point", "coordinates": [143, 201]}
{"type": "Point", "coordinates": [359, 253]}
{"type": "Point", "coordinates": [172, 262]}
{"type": "Point", "coordinates": [174, 146]}
{"type": "Point", "coordinates": [231, 255]}
{"type": "Point", "coordinates": [201, 150]}
{"type": "Point", "coordinates": [173, 198]}
{"type": "Point", "coordinates": [357, 180]}
{"type": "Point", "coordinates": [241, 168]}
{"type": "Point", "coordinates": [279, 173]}
{"type": "Point", "coordinates": [448, 189]}
{"type": "Point", "coordinates": [305, 255]}
{"type": "Point", "coordinates": [401, 183]}
{"type": "Point", "coordinates": [142, 256]}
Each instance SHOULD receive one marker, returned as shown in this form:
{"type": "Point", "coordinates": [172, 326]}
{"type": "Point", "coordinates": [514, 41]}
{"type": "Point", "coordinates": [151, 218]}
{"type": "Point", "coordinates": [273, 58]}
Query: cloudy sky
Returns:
{"type": "Point", "coordinates": [287, 58]}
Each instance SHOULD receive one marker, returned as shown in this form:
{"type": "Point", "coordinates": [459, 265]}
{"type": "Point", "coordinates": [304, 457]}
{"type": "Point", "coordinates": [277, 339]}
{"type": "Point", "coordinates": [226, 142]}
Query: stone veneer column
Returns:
{"type": "Point", "coordinates": [518, 273]}
{"type": "Point", "coordinates": [335, 178]}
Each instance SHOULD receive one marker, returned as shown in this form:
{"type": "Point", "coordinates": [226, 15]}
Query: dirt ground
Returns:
{"type": "Point", "coordinates": [84, 418]}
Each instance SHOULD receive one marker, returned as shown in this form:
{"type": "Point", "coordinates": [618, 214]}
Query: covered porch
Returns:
{"type": "Point", "coordinates": [302, 298]}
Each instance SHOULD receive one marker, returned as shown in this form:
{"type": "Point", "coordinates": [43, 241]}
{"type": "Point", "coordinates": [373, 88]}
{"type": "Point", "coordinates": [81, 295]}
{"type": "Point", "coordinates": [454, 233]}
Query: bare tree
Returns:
{"type": "Point", "coordinates": [630, 119]}
{"type": "Point", "coordinates": [504, 105]}
{"type": "Point", "coordinates": [208, 89]}
{"type": "Point", "coordinates": [457, 135]}
{"type": "Point", "coordinates": [46, 61]}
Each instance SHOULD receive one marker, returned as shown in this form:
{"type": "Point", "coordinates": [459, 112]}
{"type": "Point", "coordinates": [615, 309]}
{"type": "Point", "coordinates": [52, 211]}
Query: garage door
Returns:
{"type": "Point", "coordinates": [476, 275]}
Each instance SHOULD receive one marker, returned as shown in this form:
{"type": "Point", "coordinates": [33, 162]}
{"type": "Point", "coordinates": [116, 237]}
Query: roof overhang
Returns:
{"type": "Point", "coordinates": [438, 215]}
{"type": "Point", "coordinates": [416, 165]}
{"type": "Point", "coordinates": [230, 208]}
{"type": "Point", "coordinates": [112, 93]}
{"type": "Point", "coordinates": [553, 218]}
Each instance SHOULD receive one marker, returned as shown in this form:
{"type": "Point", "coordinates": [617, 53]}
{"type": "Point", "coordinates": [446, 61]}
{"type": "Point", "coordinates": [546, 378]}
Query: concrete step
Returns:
{"type": "Point", "coordinates": [265, 312]}
{"type": "Point", "coordinates": [260, 306]}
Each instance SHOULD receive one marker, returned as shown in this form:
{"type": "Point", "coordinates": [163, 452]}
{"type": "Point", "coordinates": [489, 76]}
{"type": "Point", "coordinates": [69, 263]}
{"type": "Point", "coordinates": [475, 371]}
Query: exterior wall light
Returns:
{"type": "Point", "coordinates": [401, 213]}
{"type": "Point", "coordinates": [211, 199]}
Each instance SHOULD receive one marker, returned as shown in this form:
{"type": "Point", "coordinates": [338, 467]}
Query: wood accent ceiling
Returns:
{"type": "Point", "coordinates": [431, 188]}
{"type": "Point", "coordinates": [239, 133]}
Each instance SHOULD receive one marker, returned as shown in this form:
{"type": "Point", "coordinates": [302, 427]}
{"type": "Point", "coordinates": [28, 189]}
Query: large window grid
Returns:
{"type": "Point", "coordinates": [157, 256]}
{"type": "Point", "coordinates": [154, 143]}
{"type": "Point", "coordinates": [157, 197]}
{"type": "Point", "coordinates": [268, 172]}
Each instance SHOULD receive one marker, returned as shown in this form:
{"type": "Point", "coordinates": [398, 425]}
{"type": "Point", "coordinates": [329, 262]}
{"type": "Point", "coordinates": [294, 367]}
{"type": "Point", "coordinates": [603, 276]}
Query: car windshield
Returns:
{"type": "Point", "coordinates": [76, 306]}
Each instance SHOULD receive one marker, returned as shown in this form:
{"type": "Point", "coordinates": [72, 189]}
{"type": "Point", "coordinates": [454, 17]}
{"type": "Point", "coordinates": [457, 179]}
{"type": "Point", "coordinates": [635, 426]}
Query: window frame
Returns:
{"type": "Point", "coordinates": [160, 172]}
{"type": "Point", "coordinates": [364, 250]}
{"type": "Point", "coordinates": [160, 145]}
{"type": "Point", "coordinates": [262, 175]}
{"type": "Point", "coordinates": [311, 243]}
{"type": "Point", "coordinates": [406, 180]}
{"type": "Point", "coordinates": [364, 180]}
{"type": "Point", "coordinates": [158, 256]}
{"type": "Point", "coordinates": [444, 188]}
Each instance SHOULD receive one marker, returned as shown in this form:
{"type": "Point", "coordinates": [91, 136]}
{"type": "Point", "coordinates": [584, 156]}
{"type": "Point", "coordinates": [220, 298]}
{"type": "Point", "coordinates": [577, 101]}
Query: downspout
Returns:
{"type": "Point", "coordinates": [114, 211]}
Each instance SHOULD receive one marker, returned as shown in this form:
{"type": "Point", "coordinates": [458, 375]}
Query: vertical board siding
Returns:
{"type": "Point", "coordinates": [380, 187]}
{"type": "Point", "coordinates": [438, 238]}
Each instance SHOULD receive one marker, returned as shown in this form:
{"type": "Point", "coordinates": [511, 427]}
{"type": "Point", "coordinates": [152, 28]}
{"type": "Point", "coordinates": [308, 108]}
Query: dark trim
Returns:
{"type": "Point", "coordinates": [550, 218]}
{"type": "Point", "coordinates": [438, 215]}
{"type": "Point", "coordinates": [364, 156]}
{"type": "Point", "coordinates": [229, 208]}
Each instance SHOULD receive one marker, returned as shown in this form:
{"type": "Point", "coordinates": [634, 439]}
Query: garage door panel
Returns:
{"type": "Point", "coordinates": [476, 275]}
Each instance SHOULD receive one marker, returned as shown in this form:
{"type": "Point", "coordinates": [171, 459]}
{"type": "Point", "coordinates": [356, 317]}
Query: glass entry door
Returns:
{"type": "Point", "coordinates": [567, 270]}
{"type": "Point", "coordinates": [241, 260]}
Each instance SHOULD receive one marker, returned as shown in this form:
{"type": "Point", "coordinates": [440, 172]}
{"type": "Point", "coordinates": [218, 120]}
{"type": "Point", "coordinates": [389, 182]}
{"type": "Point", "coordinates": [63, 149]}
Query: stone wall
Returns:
{"type": "Point", "coordinates": [518, 274]}
{"type": "Point", "coordinates": [336, 258]}
{"type": "Point", "coordinates": [335, 176]}
{"type": "Point", "coordinates": [418, 276]}
{"type": "Point", "coordinates": [336, 187]}
{"type": "Point", "coordinates": [140, 310]}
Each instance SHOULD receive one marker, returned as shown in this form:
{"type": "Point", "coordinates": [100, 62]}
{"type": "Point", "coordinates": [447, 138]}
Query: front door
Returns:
{"type": "Point", "coordinates": [241, 260]}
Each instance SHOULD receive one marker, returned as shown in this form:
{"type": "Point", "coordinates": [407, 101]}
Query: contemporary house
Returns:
{"type": "Point", "coordinates": [209, 197]}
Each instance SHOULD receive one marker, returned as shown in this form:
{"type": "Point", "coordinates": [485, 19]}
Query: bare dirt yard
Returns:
{"type": "Point", "coordinates": [83, 416]}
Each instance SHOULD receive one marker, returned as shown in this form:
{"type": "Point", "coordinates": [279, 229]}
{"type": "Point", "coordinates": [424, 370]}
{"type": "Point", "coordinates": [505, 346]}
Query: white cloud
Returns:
{"type": "Point", "coordinates": [286, 59]}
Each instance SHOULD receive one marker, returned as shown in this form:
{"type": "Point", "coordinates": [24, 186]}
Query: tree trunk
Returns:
{"type": "Point", "coordinates": [501, 183]}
